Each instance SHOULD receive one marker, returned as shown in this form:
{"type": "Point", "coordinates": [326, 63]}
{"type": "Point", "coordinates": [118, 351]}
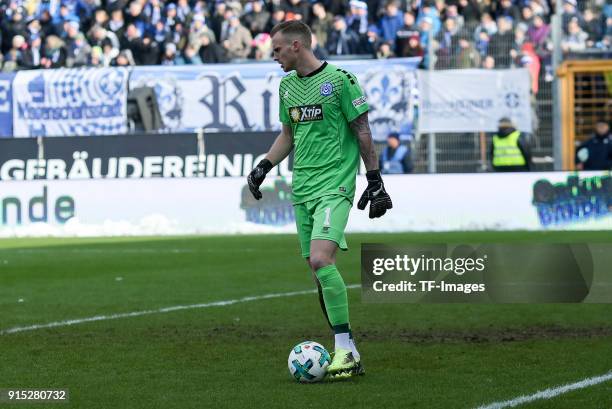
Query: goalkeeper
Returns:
{"type": "Point", "coordinates": [324, 116]}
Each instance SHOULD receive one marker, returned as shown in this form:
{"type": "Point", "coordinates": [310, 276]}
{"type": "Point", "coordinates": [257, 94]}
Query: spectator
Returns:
{"type": "Point", "coordinates": [453, 13]}
{"type": "Point", "coordinates": [508, 10]}
{"type": "Point", "coordinates": [593, 26]}
{"type": "Point", "coordinates": [341, 40]}
{"type": "Point", "coordinates": [391, 21]}
{"type": "Point", "coordinates": [317, 50]}
{"type": "Point", "coordinates": [596, 153]}
{"type": "Point", "coordinates": [198, 29]}
{"type": "Point", "coordinates": [517, 45]}
{"type": "Point", "coordinates": [529, 59]}
{"type": "Point", "coordinates": [78, 51]}
{"type": "Point", "coordinates": [136, 17]}
{"type": "Point", "coordinates": [148, 53]}
{"type": "Point", "coordinates": [509, 150]}
{"type": "Point", "coordinates": [33, 55]}
{"type": "Point", "coordinates": [189, 57]}
{"type": "Point", "coordinates": [385, 50]}
{"type": "Point", "coordinates": [161, 34]}
{"type": "Point", "coordinates": [183, 11]}
{"type": "Point", "coordinates": [372, 21]}
{"type": "Point", "coordinates": [467, 55]}
{"type": "Point", "coordinates": [470, 12]}
{"type": "Point", "coordinates": [13, 26]}
{"type": "Point", "coordinates": [538, 33]}
{"type": "Point", "coordinates": [395, 157]}
{"type": "Point", "coordinates": [15, 58]}
{"type": "Point", "coordinates": [575, 39]}
{"type": "Point", "coordinates": [257, 18]}
{"type": "Point", "coordinates": [357, 19]}
{"type": "Point", "coordinates": [501, 43]}
{"type": "Point", "coordinates": [132, 41]}
{"type": "Point", "coordinates": [262, 47]}
{"type": "Point", "coordinates": [124, 59]}
{"type": "Point", "coordinates": [54, 54]}
{"type": "Point", "coordinates": [570, 12]}
{"type": "Point", "coordinates": [116, 23]}
{"type": "Point", "coordinates": [412, 48]}
{"type": "Point", "coordinates": [487, 25]}
{"type": "Point", "coordinates": [96, 56]}
{"type": "Point", "coordinates": [482, 44]}
{"type": "Point", "coordinates": [278, 16]}
{"type": "Point", "coordinates": [211, 52]}
{"type": "Point", "coordinates": [169, 56]}
{"type": "Point", "coordinates": [236, 39]}
{"type": "Point", "coordinates": [100, 37]}
{"type": "Point", "coordinates": [447, 44]}
{"type": "Point", "coordinates": [101, 18]}
{"type": "Point", "coordinates": [405, 33]}
{"type": "Point", "coordinates": [488, 63]}
{"type": "Point", "coordinates": [154, 13]}
{"type": "Point", "coordinates": [171, 16]}
{"type": "Point", "coordinates": [297, 10]}
{"type": "Point", "coordinates": [321, 23]}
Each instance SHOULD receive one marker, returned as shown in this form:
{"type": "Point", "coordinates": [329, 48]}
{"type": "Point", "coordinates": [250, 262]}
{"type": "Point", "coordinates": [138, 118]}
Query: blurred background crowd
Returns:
{"type": "Point", "coordinates": [462, 33]}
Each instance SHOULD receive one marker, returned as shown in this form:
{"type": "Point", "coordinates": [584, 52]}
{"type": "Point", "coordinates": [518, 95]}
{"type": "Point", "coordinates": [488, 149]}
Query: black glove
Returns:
{"type": "Point", "coordinates": [375, 193]}
{"type": "Point", "coordinates": [257, 176]}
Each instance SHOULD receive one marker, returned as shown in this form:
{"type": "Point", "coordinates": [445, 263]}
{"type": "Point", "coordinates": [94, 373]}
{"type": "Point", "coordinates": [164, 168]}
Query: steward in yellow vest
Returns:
{"type": "Point", "coordinates": [509, 152]}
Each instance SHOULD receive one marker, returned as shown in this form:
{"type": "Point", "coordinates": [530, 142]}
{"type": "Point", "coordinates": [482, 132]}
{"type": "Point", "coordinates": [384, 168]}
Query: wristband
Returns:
{"type": "Point", "coordinates": [266, 165]}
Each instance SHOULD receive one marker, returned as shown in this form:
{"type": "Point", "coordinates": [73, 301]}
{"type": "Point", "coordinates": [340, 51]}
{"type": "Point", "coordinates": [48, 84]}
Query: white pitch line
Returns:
{"type": "Point", "coordinates": [66, 323]}
{"type": "Point", "coordinates": [549, 393]}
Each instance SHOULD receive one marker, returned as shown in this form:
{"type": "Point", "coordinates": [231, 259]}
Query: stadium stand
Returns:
{"type": "Point", "coordinates": [466, 33]}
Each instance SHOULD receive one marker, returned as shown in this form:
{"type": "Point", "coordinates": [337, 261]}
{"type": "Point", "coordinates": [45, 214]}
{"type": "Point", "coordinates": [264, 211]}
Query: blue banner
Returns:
{"type": "Point", "coordinates": [6, 105]}
{"type": "Point", "coordinates": [70, 102]}
{"type": "Point", "coordinates": [244, 97]}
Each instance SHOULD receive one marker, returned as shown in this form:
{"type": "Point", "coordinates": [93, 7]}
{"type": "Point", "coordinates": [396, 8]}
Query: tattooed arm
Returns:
{"type": "Point", "coordinates": [375, 192]}
{"type": "Point", "coordinates": [361, 129]}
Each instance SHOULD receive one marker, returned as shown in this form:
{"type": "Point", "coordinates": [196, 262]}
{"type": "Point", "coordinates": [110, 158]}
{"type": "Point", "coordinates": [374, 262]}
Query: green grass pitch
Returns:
{"type": "Point", "coordinates": [235, 356]}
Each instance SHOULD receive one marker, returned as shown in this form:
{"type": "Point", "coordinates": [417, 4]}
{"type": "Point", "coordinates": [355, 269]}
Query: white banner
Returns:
{"type": "Point", "coordinates": [70, 102]}
{"type": "Point", "coordinates": [244, 97]}
{"type": "Point", "coordinates": [473, 100]}
{"type": "Point", "coordinates": [521, 201]}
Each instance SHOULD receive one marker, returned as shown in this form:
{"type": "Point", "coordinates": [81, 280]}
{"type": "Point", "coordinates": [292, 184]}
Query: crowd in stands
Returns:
{"type": "Point", "coordinates": [464, 33]}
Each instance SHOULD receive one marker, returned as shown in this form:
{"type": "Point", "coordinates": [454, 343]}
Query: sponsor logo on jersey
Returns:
{"type": "Point", "coordinates": [359, 101]}
{"type": "Point", "coordinates": [306, 113]}
{"type": "Point", "coordinates": [327, 88]}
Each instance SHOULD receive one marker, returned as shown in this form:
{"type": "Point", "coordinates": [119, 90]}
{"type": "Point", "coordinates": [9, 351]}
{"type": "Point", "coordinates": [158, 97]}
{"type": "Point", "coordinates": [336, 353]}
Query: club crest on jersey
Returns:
{"type": "Point", "coordinates": [306, 113]}
{"type": "Point", "coordinates": [327, 88]}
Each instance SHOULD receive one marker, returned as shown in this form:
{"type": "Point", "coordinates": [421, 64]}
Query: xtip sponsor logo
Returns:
{"type": "Point", "coordinates": [306, 113]}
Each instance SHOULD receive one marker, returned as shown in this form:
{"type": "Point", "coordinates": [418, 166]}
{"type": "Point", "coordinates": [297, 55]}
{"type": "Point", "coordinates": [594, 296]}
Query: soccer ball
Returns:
{"type": "Point", "coordinates": [308, 362]}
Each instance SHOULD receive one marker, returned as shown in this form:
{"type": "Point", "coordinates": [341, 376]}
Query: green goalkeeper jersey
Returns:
{"type": "Point", "coordinates": [319, 107]}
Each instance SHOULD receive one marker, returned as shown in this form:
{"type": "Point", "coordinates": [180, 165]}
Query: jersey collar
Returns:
{"type": "Point", "coordinates": [315, 72]}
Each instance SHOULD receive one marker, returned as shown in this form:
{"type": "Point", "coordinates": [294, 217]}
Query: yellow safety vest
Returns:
{"type": "Point", "coordinates": [506, 151]}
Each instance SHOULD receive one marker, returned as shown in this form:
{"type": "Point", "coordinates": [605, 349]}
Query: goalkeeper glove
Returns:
{"type": "Point", "coordinates": [375, 193]}
{"type": "Point", "coordinates": [257, 176]}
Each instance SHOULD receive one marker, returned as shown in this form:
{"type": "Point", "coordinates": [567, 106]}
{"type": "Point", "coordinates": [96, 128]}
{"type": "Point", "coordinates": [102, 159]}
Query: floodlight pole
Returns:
{"type": "Point", "coordinates": [557, 58]}
{"type": "Point", "coordinates": [431, 140]}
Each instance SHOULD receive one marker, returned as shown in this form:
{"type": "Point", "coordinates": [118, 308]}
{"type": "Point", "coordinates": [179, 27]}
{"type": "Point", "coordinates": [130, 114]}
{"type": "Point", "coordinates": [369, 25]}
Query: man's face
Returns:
{"type": "Point", "coordinates": [393, 142]}
{"type": "Point", "coordinates": [602, 128]}
{"type": "Point", "coordinates": [408, 19]}
{"type": "Point", "coordinates": [284, 52]}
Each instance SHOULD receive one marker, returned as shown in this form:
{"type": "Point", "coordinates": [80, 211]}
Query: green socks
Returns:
{"type": "Point", "coordinates": [334, 295]}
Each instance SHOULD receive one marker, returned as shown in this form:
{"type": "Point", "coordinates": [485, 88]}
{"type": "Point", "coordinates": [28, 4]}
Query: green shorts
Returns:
{"type": "Point", "coordinates": [324, 218]}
